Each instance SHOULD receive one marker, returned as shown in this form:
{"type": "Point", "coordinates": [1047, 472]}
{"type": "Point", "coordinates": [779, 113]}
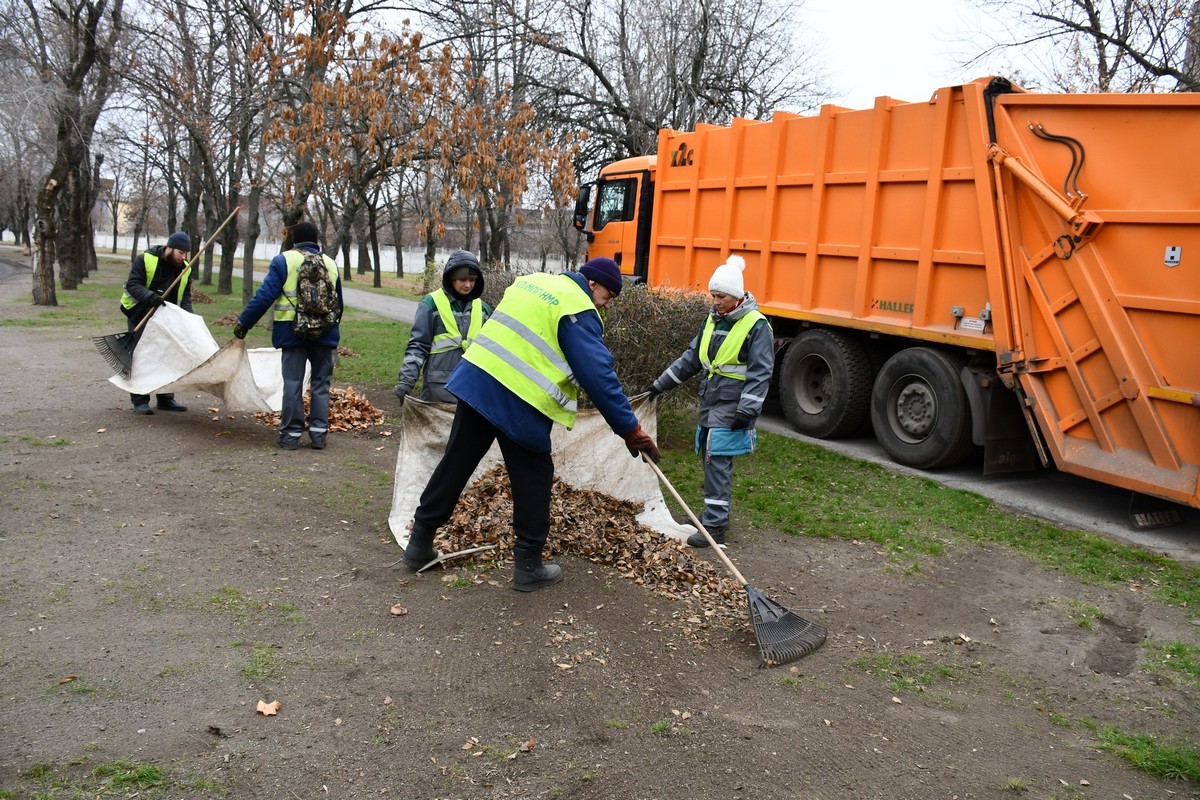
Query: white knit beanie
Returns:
{"type": "Point", "coordinates": [728, 277]}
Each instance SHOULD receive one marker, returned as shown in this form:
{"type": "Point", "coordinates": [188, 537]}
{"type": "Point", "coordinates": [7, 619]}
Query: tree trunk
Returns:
{"type": "Point", "coordinates": [252, 233]}
{"type": "Point", "coordinates": [373, 232]}
{"type": "Point", "coordinates": [43, 247]}
{"type": "Point", "coordinates": [398, 236]}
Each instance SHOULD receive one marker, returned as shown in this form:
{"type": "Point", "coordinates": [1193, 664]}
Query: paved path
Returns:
{"type": "Point", "coordinates": [397, 308]}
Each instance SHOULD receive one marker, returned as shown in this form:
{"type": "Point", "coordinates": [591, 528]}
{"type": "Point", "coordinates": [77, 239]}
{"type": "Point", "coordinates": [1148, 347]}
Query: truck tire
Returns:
{"type": "Point", "coordinates": [825, 384]}
{"type": "Point", "coordinates": [920, 411]}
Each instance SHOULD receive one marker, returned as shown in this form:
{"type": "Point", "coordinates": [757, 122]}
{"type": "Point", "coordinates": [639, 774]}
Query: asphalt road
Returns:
{"type": "Point", "coordinates": [1066, 500]}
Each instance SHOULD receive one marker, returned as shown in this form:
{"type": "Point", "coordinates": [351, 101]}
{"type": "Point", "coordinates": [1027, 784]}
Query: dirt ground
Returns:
{"type": "Point", "coordinates": [161, 575]}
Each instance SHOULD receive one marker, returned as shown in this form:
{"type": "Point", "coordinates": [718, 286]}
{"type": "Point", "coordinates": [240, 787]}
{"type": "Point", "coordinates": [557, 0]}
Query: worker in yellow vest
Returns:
{"type": "Point", "coordinates": [445, 324]}
{"type": "Point", "coordinates": [146, 288]}
{"type": "Point", "coordinates": [734, 354]}
{"type": "Point", "coordinates": [303, 289]}
{"type": "Point", "coordinates": [522, 374]}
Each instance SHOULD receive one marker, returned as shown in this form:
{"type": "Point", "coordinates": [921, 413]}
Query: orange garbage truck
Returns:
{"type": "Point", "coordinates": [988, 268]}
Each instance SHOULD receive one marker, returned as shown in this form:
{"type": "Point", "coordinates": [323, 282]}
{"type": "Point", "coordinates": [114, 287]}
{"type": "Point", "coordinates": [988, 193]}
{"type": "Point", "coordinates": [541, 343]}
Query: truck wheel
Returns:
{"type": "Point", "coordinates": [825, 384]}
{"type": "Point", "coordinates": [919, 410]}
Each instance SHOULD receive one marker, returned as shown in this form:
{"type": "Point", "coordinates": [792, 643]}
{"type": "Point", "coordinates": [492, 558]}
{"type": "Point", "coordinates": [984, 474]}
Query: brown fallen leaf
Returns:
{"type": "Point", "coordinates": [399, 610]}
{"type": "Point", "coordinates": [67, 679]}
{"type": "Point", "coordinates": [268, 709]}
{"type": "Point", "coordinates": [527, 746]}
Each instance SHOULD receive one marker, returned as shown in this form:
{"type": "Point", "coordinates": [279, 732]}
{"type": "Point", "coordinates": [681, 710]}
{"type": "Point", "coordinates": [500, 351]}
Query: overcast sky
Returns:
{"type": "Point", "coordinates": [894, 47]}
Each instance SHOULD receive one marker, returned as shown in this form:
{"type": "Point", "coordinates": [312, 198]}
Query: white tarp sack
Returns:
{"type": "Point", "coordinates": [177, 353]}
{"type": "Point", "coordinates": [173, 343]}
{"type": "Point", "coordinates": [245, 379]}
{"type": "Point", "coordinates": [588, 457]}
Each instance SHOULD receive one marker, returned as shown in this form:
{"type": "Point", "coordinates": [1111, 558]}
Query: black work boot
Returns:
{"type": "Point", "coordinates": [697, 539]}
{"type": "Point", "coordinates": [531, 575]}
{"type": "Point", "coordinates": [419, 550]}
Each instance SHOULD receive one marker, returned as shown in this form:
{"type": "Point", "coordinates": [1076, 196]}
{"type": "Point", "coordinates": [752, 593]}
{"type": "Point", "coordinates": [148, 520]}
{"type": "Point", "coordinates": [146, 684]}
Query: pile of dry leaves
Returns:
{"type": "Point", "coordinates": [348, 410]}
{"type": "Point", "coordinates": [605, 531]}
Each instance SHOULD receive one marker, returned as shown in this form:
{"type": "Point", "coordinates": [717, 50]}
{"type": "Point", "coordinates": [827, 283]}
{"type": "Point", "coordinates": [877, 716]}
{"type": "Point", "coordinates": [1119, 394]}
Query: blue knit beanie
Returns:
{"type": "Point", "coordinates": [605, 272]}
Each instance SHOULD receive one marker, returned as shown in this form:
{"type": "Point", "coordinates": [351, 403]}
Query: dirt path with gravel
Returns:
{"type": "Point", "coordinates": [162, 575]}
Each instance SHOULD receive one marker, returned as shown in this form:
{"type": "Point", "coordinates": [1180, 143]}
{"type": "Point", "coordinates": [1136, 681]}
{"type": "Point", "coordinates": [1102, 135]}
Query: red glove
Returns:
{"type": "Point", "coordinates": [638, 441]}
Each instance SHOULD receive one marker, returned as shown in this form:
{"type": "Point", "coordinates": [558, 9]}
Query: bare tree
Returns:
{"type": "Point", "coordinates": [72, 44]}
{"type": "Point", "coordinates": [621, 70]}
{"type": "Point", "coordinates": [1110, 45]}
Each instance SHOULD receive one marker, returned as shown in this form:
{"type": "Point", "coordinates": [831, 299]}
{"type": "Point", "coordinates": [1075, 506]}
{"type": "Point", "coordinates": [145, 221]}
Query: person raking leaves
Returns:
{"type": "Point", "coordinates": [515, 381]}
{"type": "Point", "coordinates": [151, 274]}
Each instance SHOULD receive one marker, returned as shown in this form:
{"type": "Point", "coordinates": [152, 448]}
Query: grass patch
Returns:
{"type": "Point", "coordinates": [1084, 614]}
{"type": "Point", "coordinates": [264, 663]}
{"type": "Point", "coordinates": [115, 779]}
{"type": "Point", "coordinates": [1150, 755]}
{"type": "Point", "coordinates": [908, 673]}
{"type": "Point", "coordinates": [803, 490]}
{"type": "Point", "coordinates": [1176, 659]}
{"type": "Point", "coordinates": [228, 600]}
{"type": "Point", "coordinates": [39, 441]}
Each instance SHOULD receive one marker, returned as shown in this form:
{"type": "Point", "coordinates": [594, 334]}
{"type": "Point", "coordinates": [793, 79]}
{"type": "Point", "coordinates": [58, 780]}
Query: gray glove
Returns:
{"type": "Point", "coordinates": [401, 393]}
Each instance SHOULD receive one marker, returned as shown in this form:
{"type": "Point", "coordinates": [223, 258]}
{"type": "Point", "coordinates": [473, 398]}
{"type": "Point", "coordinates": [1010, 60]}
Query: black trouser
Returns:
{"type": "Point", "coordinates": [530, 474]}
{"type": "Point", "coordinates": [131, 323]}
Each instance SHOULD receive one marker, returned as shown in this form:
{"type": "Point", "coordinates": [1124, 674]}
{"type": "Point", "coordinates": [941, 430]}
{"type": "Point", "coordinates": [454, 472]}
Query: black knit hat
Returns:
{"type": "Point", "coordinates": [180, 241]}
{"type": "Point", "coordinates": [305, 232]}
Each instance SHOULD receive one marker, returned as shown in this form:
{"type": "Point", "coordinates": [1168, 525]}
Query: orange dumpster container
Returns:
{"type": "Point", "coordinates": [989, 267]}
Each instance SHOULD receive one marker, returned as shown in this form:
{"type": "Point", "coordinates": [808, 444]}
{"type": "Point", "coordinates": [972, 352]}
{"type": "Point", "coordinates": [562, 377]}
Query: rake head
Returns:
{"type": "Point", "coordinates": [117, 349]}
{"type": "Point", "coordinates": [782, 636]}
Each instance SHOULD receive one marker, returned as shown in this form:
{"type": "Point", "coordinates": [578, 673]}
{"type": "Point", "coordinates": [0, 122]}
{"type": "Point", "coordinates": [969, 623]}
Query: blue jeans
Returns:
{"type": "Point", "coordinates": [291, 417]}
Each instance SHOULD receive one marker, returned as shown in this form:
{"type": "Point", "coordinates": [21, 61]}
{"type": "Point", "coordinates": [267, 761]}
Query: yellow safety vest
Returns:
{"type": "Point", "coordinates": [150, 261]}
{"type": "Point", "coordinates": [452, 337]}
{"type": "Point", "coordinates": [518, 345]}
{"type": "Point", "coordinates": [726, 363]}
{"type": "Point", "coordinates": [285, 304]}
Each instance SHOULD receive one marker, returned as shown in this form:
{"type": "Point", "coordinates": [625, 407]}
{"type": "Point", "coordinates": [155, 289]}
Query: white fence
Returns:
{"type": "Point", "coordinates": [414, 257]}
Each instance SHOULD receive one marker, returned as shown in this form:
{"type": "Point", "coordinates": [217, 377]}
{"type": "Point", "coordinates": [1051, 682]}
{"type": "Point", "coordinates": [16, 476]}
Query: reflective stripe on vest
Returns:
{"type": "Point", "coordinates": [518, 345]}
{"type": "Point", "coordinates": [452, 337]}
{"type": "Point", "coordinates": [726, 363]}
{"type": "Point", "coordinates": [285, 304]}
{"type": "Point", "coordinates": [150, 262]}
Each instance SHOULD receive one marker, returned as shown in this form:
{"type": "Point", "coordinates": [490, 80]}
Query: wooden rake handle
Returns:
{"type": "Point", "coordinates": [712, 542]}
{"type": "Point", "coordinates": [175, 282]}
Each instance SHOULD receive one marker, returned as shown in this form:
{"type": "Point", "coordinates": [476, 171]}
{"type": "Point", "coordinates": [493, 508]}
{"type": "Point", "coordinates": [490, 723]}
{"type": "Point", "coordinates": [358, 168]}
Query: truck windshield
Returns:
{"type": "Point", "coordinates": [615, 201]}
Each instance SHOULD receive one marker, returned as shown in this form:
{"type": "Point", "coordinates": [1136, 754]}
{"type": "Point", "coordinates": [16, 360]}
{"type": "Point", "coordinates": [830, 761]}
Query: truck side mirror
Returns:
{"type": "Point", "coordinates": [579, 219]}
{"type": "Point", "coordinates": [581, 207]}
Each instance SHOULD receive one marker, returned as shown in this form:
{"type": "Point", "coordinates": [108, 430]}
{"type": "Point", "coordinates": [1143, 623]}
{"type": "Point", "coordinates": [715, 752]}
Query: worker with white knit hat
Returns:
{"type": "Point", "coordinates": [734, 353]}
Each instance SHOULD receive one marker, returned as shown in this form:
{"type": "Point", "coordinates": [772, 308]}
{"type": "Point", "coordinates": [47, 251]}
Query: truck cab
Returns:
{"type": "Point", "coordinates": [613, 212]}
